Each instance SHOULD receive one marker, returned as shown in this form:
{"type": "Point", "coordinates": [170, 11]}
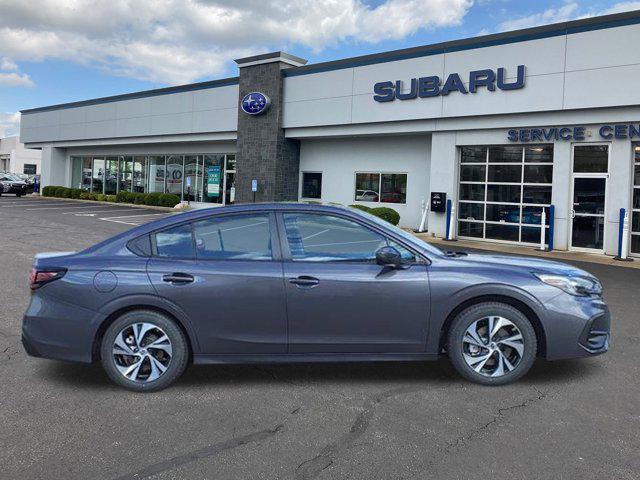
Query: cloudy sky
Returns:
{"type": "Point", "coordinates": [54, 51]}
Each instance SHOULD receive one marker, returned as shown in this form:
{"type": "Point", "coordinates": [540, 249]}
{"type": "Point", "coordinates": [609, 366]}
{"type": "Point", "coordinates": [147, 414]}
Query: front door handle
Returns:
{"type": "Point", "coordinates": [304, 281]}
{"type": "Point", "coordinates": [178, 278]}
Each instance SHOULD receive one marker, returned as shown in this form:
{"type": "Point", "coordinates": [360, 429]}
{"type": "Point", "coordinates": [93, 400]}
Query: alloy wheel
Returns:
{"type": "Point", "coordinates": [493, 346]}
{"type": "Point", "coordinates": [142, 352]}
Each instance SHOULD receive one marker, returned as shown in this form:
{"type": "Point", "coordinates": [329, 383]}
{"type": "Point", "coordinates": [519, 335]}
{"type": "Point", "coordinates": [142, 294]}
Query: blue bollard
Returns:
{"type": "Point", "coordinates": [552, 215]}
{"type": "Point", "coordinates": [446, 237]}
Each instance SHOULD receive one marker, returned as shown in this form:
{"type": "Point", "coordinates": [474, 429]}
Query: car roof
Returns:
{"type": "Point", "coordinates": [199, 213]}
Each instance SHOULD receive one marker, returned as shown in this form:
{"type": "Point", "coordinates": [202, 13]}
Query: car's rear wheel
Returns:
{"type": "Point", "coordinates": [144, 351]}
{"type": "Point", "coordinates": [492, 343]}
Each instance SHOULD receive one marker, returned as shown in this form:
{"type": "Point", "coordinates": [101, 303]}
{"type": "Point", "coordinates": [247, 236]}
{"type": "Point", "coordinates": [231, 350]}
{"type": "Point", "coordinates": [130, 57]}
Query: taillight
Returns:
{"type": "Point", "coordinates": [37, 278]}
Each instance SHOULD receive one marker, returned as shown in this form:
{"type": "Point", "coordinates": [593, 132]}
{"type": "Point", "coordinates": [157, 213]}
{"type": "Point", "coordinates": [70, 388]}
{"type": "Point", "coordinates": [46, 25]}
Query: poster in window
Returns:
{"type": "Point", "coordinates": [213, 181]}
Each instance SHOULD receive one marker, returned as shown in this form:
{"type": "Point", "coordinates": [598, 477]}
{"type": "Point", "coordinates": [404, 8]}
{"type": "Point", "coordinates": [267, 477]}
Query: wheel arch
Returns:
{"type": "Point", "coordinates": [114, 315]}
{"type": "Point", "coordinates": [526, 310]}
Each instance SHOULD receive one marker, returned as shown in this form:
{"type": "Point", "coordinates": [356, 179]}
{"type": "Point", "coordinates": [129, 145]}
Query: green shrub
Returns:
{"type": "Point", "coordinates": [125, 197]}
{"type": "Point", "coordinates": [169, 200]}
{"type": "Point", "coordinates": [111, 198]}
{"type": "Point", "coordinates": [364, 208]}
{"type": "Point", "coordinates": [139, 198]}
{"type": "Point", "coordinates": [153, 198]}
{"type": "Point", "coordinates": [101, 197]}
{"type": "Point", "coordinates": [48, 191]}
{"type": "Point", "coordinates": [386, 213]}
{"type": "Point", "coordinates": [58, 191]}
{"type": "Point", "coordinates": [85, 195]}
{"type": "Point", "coordinates": [76, 192]}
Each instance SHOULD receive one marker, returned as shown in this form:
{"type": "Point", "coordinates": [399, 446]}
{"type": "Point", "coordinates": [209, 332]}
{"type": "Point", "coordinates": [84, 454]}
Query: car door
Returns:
{"type": "Point", "coordinates": [225, 272]}
{"type": "Point", "coordinates": [339, 299]}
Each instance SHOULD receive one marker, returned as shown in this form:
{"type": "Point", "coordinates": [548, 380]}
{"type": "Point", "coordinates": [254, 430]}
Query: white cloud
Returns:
{"type": "Point", "coordinates": [11, 76]}
{"type": "Point", "coordinates": [571, 10]}
{"type": "Point", "coordinates": [6, 64]}
{"type": "Point", "coordinates": [176, 41]}
{"type": "Point", "coordinates": [9, 123]}
{"type": "Point", "coordinates": [13, 79]}
{"type": "Point", "coordinates": [551, 15]}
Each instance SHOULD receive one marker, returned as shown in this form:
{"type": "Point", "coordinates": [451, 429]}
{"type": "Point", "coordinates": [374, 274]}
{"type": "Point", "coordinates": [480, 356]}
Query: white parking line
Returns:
{"type": "Point", "coordinates": [4, 204]}
{"type": "Point", "coordinates": [104, 210]}
{"type": "Point", "coordinates": [123, 218]}
{"type": "Point", "coordinates": [67, 207]}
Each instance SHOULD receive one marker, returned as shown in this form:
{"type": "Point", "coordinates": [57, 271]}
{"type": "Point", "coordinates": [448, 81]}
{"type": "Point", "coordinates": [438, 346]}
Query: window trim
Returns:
{"type": "Point", "coordinates": [302, 197]}
{"type": "Point", "coordinates": [421, 259]}
{"type": "Point", "coordinates": [379, 173]}
{"type": "Point", "coordinates": [276, 253]}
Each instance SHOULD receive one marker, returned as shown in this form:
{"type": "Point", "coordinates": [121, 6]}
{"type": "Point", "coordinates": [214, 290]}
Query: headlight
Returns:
{"type": "Point", "coordinates": [577, 286]}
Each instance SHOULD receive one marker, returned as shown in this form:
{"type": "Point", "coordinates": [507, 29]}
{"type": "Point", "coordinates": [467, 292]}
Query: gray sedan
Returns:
{"type": "Point", "coordinates": [303, 283]}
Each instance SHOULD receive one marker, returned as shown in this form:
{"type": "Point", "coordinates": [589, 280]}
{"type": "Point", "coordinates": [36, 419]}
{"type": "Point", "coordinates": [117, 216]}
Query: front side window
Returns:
{"type": "Point", "coordinates": [311, 185]}
{"type": "Point", "coordinates": [381, 187]}
{"type": "Point", "coordinates": [175, 242]}
{"type": "Point", "coordinates": [234, 237]}
{"type": "Point", "coordinates": [326, 238]}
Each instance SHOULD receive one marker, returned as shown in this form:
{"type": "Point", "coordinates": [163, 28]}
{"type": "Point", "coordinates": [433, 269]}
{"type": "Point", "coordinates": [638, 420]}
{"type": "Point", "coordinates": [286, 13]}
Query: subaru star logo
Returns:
{"type": "Point", "coordinates": [255, 103]}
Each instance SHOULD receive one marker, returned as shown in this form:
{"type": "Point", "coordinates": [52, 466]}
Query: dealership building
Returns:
{"type": "Point", "coordinates": [504, 126]}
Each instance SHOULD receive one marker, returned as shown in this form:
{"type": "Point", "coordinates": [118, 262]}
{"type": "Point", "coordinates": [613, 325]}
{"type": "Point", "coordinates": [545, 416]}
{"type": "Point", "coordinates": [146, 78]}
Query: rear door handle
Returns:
{"type": "Point", "coordinates": [176, 278]}
{"type": "Point", "coordinates": [304, 281]}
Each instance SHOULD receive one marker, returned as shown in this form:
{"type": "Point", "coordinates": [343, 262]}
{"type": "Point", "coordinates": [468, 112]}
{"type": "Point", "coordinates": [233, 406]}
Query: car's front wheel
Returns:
{"type": "Point", "coordinates": [492, 343]}
{"type": "Point", "coordinates": [144, 351]}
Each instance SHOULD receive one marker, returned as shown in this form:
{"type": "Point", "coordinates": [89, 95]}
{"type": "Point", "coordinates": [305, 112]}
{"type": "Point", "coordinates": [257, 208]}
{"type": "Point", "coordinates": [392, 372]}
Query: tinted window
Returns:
{"type": "Point", "coordinates": [323, 238]}
{"type": "Point", "coordinates": [237, 237]}
{"type": "Point", "coordinates": [176, 242]}
{"type": "Point", "coordinates": [311, 185]}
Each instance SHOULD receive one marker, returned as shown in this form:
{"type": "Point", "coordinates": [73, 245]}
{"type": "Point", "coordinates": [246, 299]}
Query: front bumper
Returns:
{"type": "Point", "coordinates": [576, 327]}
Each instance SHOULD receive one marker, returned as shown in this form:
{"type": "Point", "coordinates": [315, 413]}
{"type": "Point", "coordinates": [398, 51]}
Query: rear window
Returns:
{"type": "Point", "coordinates": [233, 237]}
{"type": "Point", "coordinates": [176, 242]}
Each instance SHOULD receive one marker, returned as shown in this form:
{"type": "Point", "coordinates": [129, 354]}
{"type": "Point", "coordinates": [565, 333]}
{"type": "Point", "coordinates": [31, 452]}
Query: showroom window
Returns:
{"type": "Point", "coordinates": [312, 185]}
{"type": "Point", "coordinates": [503, 190]}
{"type": "Point", "coordinates": [635, 211]}
{"type": "Point", "coordinates": [211, 176]}
{"type": "Point", "coordinates": [381, 187]}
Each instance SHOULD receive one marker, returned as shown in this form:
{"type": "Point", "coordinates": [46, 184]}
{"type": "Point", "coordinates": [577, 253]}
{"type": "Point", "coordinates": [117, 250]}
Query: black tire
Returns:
{"type": "Point", "coordinates": [179, 355]}
{"type": "Point", "coordinates": [467, 317]}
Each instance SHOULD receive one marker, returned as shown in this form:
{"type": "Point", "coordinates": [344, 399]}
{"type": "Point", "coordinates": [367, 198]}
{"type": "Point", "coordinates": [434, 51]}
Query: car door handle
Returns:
{"type": "Point", "coordinates": [178, 277]}
{"type": "Point", "coordinates": [304, 281]}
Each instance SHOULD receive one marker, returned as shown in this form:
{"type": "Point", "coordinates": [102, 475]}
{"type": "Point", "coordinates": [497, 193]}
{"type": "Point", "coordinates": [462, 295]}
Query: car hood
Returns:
{"type": "Point", "coordinates": [539, 265]}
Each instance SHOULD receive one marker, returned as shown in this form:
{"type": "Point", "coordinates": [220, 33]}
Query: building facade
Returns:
{"type": "Point", "coordinates": [505, 126]}
{"type": "Point", "coordinates": [15, 158]}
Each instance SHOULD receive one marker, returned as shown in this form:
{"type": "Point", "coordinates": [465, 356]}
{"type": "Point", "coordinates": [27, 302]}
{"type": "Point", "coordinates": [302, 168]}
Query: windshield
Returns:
{"type": "Point", "coordinates": [404, 234]}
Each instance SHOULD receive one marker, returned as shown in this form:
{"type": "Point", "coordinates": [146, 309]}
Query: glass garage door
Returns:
{"type": "Point", "coordinates": [635, 213]}
{"type": "Point", "coordinates": [502, 192]}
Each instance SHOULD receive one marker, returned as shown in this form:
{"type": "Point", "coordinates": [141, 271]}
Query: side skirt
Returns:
{"type": "Point", "coordinates": [313, 358]}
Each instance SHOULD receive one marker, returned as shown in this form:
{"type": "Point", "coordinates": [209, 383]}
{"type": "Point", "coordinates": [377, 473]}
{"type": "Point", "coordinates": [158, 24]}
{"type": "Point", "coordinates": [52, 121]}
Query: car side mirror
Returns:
{"type": "Point", "coordinates": [388, 257]}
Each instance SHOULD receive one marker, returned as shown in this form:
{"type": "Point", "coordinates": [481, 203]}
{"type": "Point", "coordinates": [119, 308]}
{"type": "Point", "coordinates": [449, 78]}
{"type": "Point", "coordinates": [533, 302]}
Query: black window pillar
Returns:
{"type": "Point", "coordinates": [264, 154]}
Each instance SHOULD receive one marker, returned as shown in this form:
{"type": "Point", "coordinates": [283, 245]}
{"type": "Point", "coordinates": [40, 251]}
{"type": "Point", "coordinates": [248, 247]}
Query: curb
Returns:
{"type": "Point", "coordinates": [96, 202]}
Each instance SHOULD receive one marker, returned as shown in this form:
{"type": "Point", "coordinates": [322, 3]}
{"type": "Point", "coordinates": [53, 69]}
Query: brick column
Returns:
{"type": "Point", "coordinates": [264, 154]}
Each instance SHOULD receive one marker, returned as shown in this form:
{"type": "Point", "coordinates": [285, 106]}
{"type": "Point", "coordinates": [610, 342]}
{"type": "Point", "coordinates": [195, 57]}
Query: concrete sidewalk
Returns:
{"type": "Point", "coordinates": [522, 250]}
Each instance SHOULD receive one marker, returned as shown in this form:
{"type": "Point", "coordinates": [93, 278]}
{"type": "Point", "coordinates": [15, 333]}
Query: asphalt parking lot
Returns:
{"type": "Point", "coordinates": [564, 420]}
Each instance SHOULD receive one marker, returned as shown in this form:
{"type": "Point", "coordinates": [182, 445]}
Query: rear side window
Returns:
{"type": "Point", "coordinates": [141, 246]}
{"type": "Point", "coordinates": [233, 237]}
{"type": "Point", "coordinates": [176, 242]}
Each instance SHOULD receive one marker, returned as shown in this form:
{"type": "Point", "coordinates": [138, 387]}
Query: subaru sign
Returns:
{"type": "Point", "coordinates": [425, 87]}
{"type": "Point", "coordinates": [255, 103]}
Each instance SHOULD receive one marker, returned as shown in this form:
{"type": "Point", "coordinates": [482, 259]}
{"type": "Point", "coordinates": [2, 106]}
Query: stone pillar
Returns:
{"type": "Point", "coordinates": [264, 154]}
